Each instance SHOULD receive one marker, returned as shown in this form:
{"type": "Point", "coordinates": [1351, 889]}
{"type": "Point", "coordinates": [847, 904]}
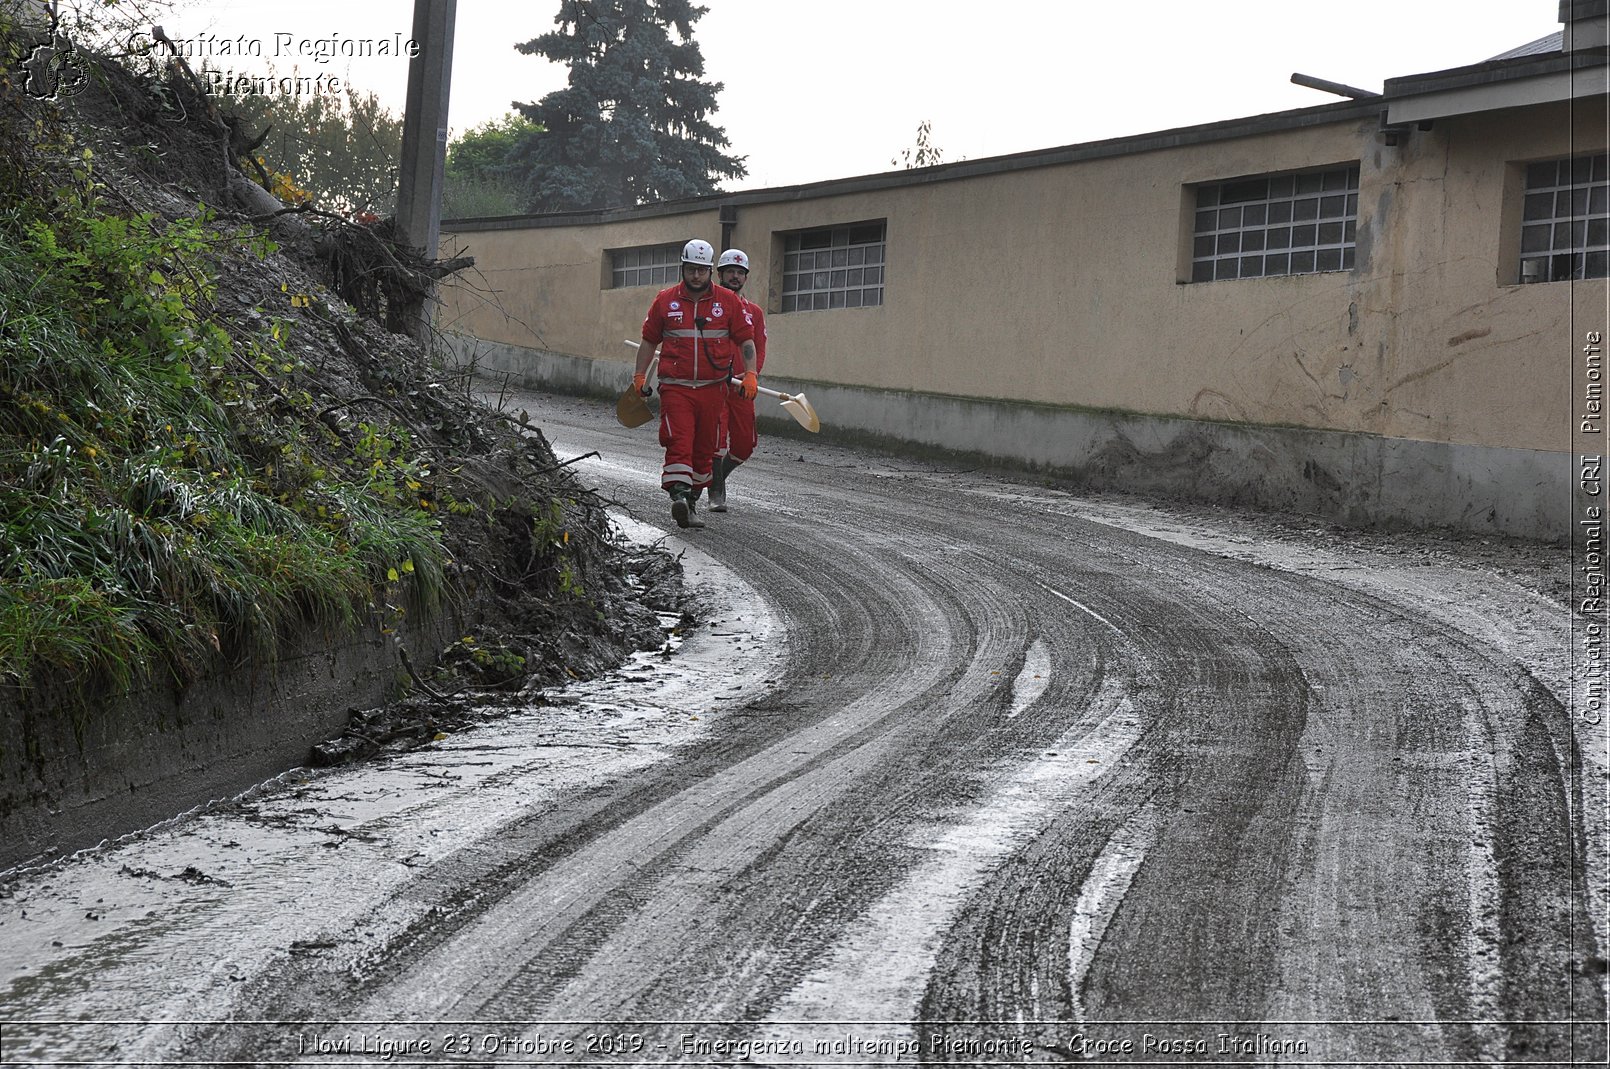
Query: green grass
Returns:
{"type": "Point", "coordinates": [139, 537]}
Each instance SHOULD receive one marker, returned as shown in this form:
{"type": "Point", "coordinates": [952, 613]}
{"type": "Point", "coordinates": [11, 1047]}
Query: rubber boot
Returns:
{"type": "Point", "coordinates": [718, 483]}
{"type": "Point", "coordinates": [682, 512]}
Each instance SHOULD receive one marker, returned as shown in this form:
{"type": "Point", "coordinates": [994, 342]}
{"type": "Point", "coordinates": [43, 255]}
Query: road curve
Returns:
{"type": "Point", "coordinates": [1037, 778]}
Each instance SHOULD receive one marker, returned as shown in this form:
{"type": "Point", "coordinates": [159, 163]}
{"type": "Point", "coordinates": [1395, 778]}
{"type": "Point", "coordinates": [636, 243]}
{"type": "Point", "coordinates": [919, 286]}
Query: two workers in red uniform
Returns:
{"type": "Point", "coordinates": [706, 334]}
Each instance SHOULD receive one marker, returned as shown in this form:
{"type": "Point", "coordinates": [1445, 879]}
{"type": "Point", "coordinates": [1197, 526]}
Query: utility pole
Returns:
{"type": "Point", "coordinates": [424, 143]}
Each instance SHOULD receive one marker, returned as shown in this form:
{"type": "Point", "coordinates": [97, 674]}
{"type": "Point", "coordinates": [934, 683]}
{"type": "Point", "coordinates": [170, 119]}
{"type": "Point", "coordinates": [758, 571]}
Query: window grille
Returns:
{"type": "Point", "coordinates": [1565, 223]}
{"type": "Point", "coordinates": [650, 265]}
{"type": "Point", "coordinates": [834, 267]}
{"type": "Point", "coordinates": [1288, 224]}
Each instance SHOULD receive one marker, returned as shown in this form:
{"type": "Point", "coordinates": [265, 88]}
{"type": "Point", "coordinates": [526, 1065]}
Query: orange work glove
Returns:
{"type": "Point", "coordinates": [750, 386]}
{"type": "Point", "coordinates": [640, 383]}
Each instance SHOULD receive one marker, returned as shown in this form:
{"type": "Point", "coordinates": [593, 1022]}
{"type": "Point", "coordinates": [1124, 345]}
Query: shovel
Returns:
{"type": "Point", "coordinates": [631, 408]}
{"type": "Point", "coordinates": [795, 405]}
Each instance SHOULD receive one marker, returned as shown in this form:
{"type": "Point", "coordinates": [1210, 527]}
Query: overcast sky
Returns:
{"type": "Point", "coordinates": [833, 88]}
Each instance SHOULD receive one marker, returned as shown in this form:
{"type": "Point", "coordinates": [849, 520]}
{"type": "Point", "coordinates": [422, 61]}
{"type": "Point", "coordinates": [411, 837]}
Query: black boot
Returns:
{"type": "Point", "coordinates": [682, 512]}
{"type": "Point", "coordinates": [718, 483]}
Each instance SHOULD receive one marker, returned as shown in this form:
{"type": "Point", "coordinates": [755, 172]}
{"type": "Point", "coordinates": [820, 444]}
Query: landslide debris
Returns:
{"type": "Point", "coordinates": [205, 448]}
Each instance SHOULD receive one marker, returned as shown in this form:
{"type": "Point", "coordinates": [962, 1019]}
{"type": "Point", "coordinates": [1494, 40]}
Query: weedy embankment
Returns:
{"type": "Point", "coordinates": [205, 450]}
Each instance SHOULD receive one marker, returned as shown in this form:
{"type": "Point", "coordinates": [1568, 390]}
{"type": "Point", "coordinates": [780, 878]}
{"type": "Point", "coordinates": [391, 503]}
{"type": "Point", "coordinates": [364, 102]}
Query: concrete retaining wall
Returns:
{"type": "Point", "coordinates": [1352, 478]}
{"type": "Point", "coordinates": [142, 758]}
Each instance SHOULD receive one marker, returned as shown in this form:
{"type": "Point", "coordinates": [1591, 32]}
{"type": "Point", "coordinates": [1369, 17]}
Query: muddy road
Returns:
{"type": "Point", "coordinates": [962, 771]}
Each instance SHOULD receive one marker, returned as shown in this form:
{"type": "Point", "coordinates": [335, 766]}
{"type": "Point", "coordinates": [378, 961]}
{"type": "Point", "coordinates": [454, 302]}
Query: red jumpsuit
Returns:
{"type": "Point", "coordinates": [698, 336]}
{"type": "Point", "coordinates": [738, 437]}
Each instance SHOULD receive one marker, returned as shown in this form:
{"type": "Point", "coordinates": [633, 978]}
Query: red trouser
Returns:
{"type": "Point", "coordinates": [690, 419]}
{"type": "Point", "coordinates": [738, 436]}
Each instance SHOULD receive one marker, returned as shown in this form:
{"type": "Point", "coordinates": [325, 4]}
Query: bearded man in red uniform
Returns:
{"type": "Point", "coordinates": [738, 437]}
{"type": "Point", "coordinates": [706, 339]}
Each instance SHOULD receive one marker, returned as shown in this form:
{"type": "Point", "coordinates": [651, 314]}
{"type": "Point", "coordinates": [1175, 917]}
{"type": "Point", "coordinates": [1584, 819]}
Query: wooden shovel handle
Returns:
{"type": "Point", "coordinates": [762, 389]}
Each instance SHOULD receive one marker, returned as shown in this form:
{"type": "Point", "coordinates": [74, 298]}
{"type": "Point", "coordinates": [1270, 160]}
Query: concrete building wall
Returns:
{"type": "Point", "coordinates": [1067, 285]}
{"type": "Point", "coordinates": [1350, 478]}
{"type": "Point", "coordinates": [549, 288]}
{"type": "Point", "coordinates": [1063, 285]}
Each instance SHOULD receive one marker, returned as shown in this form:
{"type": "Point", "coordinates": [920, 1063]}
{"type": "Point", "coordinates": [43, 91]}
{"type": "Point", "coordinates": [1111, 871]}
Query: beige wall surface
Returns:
{"type": "Point", "coordinates": [1062, 285]}
{"type": "Point", "coordinates": [547, 287]}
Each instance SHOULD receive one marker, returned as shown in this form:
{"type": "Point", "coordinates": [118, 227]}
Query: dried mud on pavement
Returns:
{"type": "Point", "coordinates": [963, 770]}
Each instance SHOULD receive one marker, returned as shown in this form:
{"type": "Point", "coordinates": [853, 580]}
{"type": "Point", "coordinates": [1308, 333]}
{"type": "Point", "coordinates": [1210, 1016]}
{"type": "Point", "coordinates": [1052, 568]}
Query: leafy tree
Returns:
{"type": "Point", "coordinates": [631, 124]}
{"type": "Point", "coordinates": [343, 149]}
{"type": "Point", "coordinates": [925, 153]}
{"type": "Point", "coordinates": [478, 179]}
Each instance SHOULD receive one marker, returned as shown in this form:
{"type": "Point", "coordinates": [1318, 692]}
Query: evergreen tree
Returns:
{"type": "Point", "coordinates": [631, 125]}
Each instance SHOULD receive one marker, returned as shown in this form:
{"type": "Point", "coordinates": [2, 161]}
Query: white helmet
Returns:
{"type": "Point", "coordinates": [698, 252]}
{"type": "Point", "coordinates": [733, 258]}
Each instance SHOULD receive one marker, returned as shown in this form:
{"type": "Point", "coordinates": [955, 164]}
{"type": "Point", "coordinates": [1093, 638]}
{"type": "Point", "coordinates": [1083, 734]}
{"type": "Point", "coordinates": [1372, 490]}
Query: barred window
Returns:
{"type": "Point", "coordinates": [1286, 224]}
{"type": "Point", "coordinates": [649, 265]}
{"type": "Point", "coordinates": [834, 267]}
{"type": "Point", "coordinates": [1565, 224]}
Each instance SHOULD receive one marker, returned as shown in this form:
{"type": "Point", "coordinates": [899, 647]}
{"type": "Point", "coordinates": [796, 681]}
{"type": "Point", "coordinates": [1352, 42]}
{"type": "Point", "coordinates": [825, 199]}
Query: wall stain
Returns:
{"type": "Point", "coordinates": [1422, 373]}
{"type": "Point", "coordinates": [1441, 365]}
{"type": "Point", "coordinates": [1469, 335]}
{"type": "Point", "coordinates": [1297, 358]}
{"type": "Point", "coordinates": [1228, 402]}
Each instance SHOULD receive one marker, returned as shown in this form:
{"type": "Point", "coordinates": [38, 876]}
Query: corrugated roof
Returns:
{"type": "Point", "coordinates": [1554, 42]}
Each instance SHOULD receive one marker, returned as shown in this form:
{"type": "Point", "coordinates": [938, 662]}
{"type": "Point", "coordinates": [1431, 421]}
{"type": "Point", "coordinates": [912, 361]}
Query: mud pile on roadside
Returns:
{"type": "Point", "coordinates": [324, 422]}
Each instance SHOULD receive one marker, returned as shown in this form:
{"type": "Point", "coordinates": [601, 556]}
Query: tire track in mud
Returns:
{"type": "Point", "coordinates": [1218, 774]}
{"type": "Point", "coordinates": [911, 649]}
{"type": "Point", "coordinates": [831, 863]}
{"type": "Point", "coordinates": [837, 829]}
{"type": "Point", "coordinates": [1263, 769]}
{"type": "Point", "coordinates": [635, 923]}
{"type": "Point", "coordinates": [835, 856]}
{"type": "Point", "coordinates": [1310, 804]}
{"type": "Point", "coordinates": [1354, 684]}
{"type": "Point", "coordinates": [456, 893]}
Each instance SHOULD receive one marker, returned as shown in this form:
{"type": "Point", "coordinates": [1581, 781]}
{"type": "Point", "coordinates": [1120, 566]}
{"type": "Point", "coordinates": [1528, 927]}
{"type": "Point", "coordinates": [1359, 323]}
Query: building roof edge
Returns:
{"type": "Point", "coordinates": [1221, 130]}
{"type": "Point", "coordinates": [1492, 71]}
{"type": "Point", "coordinates": [1487, 72]}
